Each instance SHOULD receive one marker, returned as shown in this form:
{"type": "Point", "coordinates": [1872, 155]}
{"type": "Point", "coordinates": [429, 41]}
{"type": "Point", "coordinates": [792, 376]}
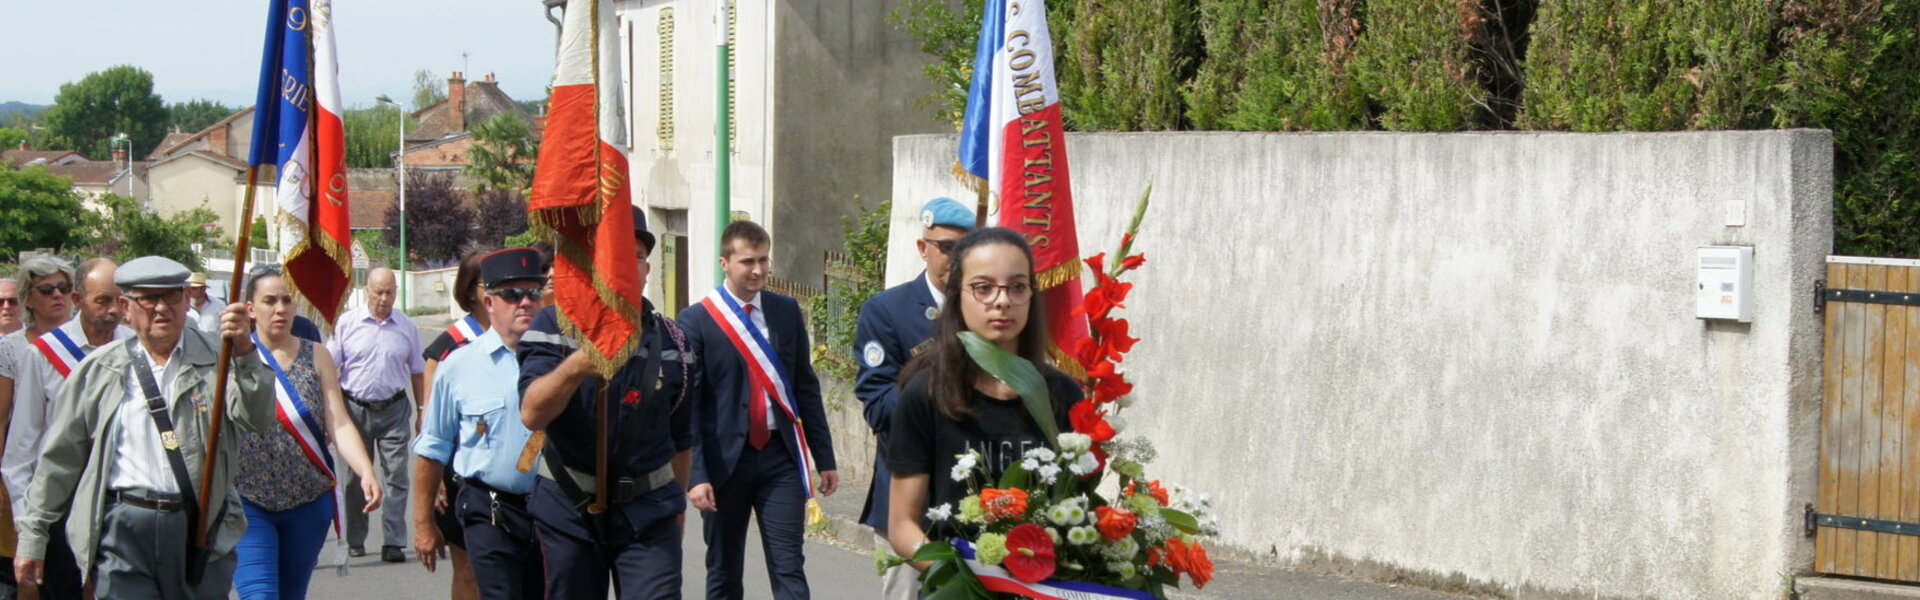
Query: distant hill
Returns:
{"type": "Point", "coordinates": [8, 108]}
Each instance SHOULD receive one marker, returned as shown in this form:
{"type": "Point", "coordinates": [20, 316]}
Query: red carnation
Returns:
{"type": "Point", "coordinates": [1030, 555]}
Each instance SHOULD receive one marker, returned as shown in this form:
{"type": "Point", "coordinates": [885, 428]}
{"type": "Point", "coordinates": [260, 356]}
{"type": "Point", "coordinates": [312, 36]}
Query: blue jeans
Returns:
{"type": "Point", "coordinates": [279, 550]}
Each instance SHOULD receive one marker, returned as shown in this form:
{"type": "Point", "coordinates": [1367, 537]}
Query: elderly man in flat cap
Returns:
{"type": "Point", "coordinates": [124, 452]}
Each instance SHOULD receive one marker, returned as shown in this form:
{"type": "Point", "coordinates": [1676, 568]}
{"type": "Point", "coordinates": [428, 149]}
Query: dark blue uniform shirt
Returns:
{"type": "Point", "coordinates": [893, 323]}
{"type": "Point", "coordinates": [665, 415]}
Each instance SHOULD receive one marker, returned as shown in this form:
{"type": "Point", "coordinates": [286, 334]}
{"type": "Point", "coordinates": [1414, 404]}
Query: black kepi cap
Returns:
{"type": "Point", "coordinates": [511, 264]}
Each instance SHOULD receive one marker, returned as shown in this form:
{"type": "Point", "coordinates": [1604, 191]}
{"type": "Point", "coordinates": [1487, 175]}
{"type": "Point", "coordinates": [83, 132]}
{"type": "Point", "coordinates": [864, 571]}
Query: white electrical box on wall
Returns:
{"type": "Point", "coordinates": [1725, 283]}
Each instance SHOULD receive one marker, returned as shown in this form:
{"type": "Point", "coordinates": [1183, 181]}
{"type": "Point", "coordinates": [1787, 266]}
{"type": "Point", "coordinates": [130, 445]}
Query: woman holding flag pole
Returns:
{"type": "Point", "coordinates": [286, 479]}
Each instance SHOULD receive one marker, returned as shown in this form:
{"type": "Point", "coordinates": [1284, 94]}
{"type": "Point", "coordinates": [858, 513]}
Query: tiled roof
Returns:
{"type": "Point", "coordinates": [173, 139]}
{"type": "Point", "coordinates": [484, 100]}
{"type": "Point", "coordinates": [23, 157]}
{"type": "Point", "coordinates": [93, 172]}
{"type": "Point", "coordinates": [370, 207]}
{"type": "Point", "coordinates": [171, 143]}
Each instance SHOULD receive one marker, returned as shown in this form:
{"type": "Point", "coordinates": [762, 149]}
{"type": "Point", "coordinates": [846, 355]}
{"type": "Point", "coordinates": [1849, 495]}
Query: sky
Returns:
{"type": "Point", "coordinates": [210, 49]}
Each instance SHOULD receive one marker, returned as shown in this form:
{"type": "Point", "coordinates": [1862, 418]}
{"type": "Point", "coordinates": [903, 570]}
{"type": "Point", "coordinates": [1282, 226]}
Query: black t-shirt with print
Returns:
{"type": "Point", "coordinates": [926, 441]}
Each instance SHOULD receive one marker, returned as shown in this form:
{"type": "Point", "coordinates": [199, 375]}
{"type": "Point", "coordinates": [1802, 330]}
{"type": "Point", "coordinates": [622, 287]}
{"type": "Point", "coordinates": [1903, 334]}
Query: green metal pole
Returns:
{"type": "Point", "coordinates": [723, 201]}
{"type": "Point", "coordinates": [401, 159]}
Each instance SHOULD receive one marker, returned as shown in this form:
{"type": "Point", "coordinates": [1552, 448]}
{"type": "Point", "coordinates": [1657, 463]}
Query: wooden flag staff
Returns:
{"type": "Point", "coordinates": [219, 413]}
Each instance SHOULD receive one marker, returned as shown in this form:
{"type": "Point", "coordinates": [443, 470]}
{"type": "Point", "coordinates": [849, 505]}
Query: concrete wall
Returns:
{"type": "Point", "coordinates": [1470, 358]}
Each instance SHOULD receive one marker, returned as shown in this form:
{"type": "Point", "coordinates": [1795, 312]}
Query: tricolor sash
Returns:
{"type": "Point", "coordinates": [999, 580]}
{"type": "Point", "coordinates": [763, 365]}
{"type": "Point", "coordinates": [465, 331]}
{"type": "Point", "coordinates": [294, 416]}
{"type": "Point", "coordinates": [60, 351]}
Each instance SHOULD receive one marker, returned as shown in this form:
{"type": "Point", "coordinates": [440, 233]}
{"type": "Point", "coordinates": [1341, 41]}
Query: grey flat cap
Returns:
{"type": "Point", "coordinates": [151, 272]}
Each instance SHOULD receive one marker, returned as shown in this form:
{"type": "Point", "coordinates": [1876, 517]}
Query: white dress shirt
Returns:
{"type": "Point", "coordinates": [35, 386]}
{"type": "Point", "coordinates": [140, 462]}
{"type": "Point", "coordinates": [757, 314]}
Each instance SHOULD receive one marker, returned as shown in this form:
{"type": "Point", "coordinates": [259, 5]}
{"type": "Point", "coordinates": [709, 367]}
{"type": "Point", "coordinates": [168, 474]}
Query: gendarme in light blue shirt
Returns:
{"type": "Point", "coordinates": [473, 416]}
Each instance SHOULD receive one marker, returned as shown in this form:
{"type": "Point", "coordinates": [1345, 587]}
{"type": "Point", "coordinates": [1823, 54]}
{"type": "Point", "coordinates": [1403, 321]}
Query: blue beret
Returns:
{"type": "Point", "coordinates": [946, 212]}
{"type": "Point", "coordinates": [151, 272]}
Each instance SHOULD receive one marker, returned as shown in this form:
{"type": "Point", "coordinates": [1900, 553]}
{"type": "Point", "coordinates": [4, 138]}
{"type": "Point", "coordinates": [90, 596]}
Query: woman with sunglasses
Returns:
{"type": "Point", "coordinates": [467, 292]}
{"type": "Point", "coordinates": [285, 480]}
{"type": "Point", "coordinates": [949, 406]}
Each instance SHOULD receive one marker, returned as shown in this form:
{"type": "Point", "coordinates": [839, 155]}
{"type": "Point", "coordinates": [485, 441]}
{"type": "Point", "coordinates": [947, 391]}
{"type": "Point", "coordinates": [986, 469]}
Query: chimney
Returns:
{"type": "Point", "coordinates": [490, 78]}
{"type": "Point", "coordinates": [217, 141]}
{"type": "Point", "coordinates": [457, 101]}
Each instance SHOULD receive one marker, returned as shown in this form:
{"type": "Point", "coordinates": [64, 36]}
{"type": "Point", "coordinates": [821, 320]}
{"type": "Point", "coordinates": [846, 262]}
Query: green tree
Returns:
{"type": "Point", "coordinates": [37, 210]}
{"type": "Point", "coordinates": [195, 115]}
{"type": "Point", "coordinates": [88, 113]}
{"type": "Point", "coordinates": [439, 224]}
{"type": "Point", "coordinates": [1123, 63]}
{"type": "Point", "coordinates": [10, 137]}
{"type": "Point", "coordinates": [373, 134]}
{"type": "Point", "coordinates": [836, 314]}
{"type": "Point", "coordinates": [947, 36]}
{"type": "Point", "coordinates": [1277, 65]}
{"type": "Point", "coordinates": [427, 90]}
{"type": "Point", "coordinates": [129, 230]}
{"type": "Point", "coordinates": [258, 237]}
{"type": "Point", "coordinates": [503, 154]}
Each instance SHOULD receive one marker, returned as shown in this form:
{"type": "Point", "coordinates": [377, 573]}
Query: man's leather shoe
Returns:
{"type": "Point", "coordinates": [392, 554]}
{"type": "Point", "coordinates": [356, 551]}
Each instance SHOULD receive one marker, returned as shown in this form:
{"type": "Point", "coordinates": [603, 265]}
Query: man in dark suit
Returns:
{"type": "Point", "coordinates": [760, 420]}
{"type": "Point", "coordinates": [893, 326]}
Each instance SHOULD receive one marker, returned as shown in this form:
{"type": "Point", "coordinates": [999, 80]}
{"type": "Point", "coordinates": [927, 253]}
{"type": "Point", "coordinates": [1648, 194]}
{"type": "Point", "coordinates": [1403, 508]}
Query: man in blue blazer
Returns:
{"type": "Point", "coordinates": [893, 326]}
{"type": "Point", "coordinates": [759, 421]}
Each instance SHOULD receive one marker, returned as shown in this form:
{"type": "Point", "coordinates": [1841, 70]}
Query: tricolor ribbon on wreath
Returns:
{"type": "Point", "coordinates": [1000, 580]}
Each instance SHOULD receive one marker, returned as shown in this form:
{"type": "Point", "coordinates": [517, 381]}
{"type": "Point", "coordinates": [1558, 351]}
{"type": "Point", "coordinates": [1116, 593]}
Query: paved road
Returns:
{"type": "Point", "coordinates": [833, 570]}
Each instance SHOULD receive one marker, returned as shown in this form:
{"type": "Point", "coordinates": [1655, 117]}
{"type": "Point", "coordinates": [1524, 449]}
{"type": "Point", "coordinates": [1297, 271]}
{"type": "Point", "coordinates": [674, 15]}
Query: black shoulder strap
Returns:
{"type": "Point", "coordinates": [157, 408]}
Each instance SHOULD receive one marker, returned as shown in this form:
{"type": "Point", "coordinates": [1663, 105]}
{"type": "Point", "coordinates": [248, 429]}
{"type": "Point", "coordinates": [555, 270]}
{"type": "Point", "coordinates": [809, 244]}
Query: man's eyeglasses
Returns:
{"type": "Point", "coordinates": [945, 246]}
{"type": "Point", "coordinates": [47, 289]}
{"type": "Point", "coordinates": [1017, 293]}
{"type": "Point", "coordinates": [515, 295]}
{"type": "Point", "coordinates": [152, 301]}
{"type": "Point", "coordinates": [9, 301]}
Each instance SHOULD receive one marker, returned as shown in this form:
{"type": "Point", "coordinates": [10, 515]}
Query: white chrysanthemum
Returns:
{"type": "Point", "coordinates": [1084, 464]}
{"type": "Point", "coordinates": [1042, 454]}
{"type": "Point", "coordinates": [1030, 465]}
{"type": "Point", "coordinates": [1053, 534]}
{"type": "Point", "coordinates": [1082, 536]}
{"type": "Point", "coordinates": [1124, 569]}
{"type": "Point", "coordinates": [1075, 442]}
{"type": "Point", "coordinates": [940, 513]}
{"type": "Point", "coordinates": [1121, 549]}
{"type": "Point", "coordinates": [963, 465]}
{"type": "Point", "coordinates": [1067, 513]}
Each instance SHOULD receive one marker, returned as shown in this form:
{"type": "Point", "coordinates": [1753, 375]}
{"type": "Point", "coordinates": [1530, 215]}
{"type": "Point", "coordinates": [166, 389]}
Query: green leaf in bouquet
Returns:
{"type": "Point", "coordinates": [1014, 477]}
{"type": "Point", "coordinates": [1184, 522]}
{"type": "Point", "coordinates": [934, 550]}
{"type": "Point", "coordinates": [1019, 374]}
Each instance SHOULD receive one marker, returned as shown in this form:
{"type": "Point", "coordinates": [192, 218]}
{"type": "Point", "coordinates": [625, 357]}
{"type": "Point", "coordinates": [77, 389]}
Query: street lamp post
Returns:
{"type": "Point", "coordinates": [121, 138]}
{"type": "Point", "coordinates": [400, 164]}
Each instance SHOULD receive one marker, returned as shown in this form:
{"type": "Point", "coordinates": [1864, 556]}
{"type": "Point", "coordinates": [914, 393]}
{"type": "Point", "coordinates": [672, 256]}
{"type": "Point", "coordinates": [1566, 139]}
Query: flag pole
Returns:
{"type": "Point", "coordinates": [243, 246]}
{"type": "Point", "coordinates": [600, 450]}
{"type": "Point", "coordinates": [723, 141]}
{"type": "Point", "coordinates": [980, 210]}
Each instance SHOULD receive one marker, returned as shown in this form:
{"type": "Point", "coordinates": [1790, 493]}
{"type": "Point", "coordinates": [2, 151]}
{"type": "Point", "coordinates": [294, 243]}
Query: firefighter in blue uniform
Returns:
{"type": "Point", "coordinates": [637, 539]}
{"type": "Point", "coordinates": [893, 326]}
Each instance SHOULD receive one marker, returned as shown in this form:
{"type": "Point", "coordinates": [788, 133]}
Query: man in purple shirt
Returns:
{"type": "Point", "coordinates": [378, 351]}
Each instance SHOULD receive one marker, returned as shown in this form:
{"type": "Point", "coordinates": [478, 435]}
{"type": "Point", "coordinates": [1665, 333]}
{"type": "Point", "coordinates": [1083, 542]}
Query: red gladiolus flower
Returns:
{"type": "Point", "coordinates": [1132, 262]}
{"type": "Point", "coordinates": [1088, 420]}
{"type": "Point", "coordinates": [1097, 263]}
{"type": "Point", "coordinates": [1113, 523]}
{"type": "Point", "coordinates": [1030, 553]}
{"type": "Point", "coordinates": [1003, 505]}
{"type": "Point", "coordinates": [1108, 390]}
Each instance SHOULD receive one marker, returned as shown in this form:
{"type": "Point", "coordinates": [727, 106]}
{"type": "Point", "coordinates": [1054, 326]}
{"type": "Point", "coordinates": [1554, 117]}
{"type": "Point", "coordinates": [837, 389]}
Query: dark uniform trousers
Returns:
{"type": "Point", "coordinates": [765, 482]}
{"type": "Point", "coordinates": [500, 541]}
{"type": "Point", "coordinates": [645, 565]}
{"type": "Point", "coordinates": [62, 576]}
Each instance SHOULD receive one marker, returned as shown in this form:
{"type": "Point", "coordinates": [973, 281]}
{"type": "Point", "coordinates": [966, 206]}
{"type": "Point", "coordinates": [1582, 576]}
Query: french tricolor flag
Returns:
{"type": "Point", "coordinates": [298, 131]}
{"type": "Point", "coordinates": [1013, 139]}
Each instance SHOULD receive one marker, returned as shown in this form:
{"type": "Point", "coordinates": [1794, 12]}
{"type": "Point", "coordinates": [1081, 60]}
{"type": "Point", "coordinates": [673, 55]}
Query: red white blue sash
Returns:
{"type": "Point", "coordinates": [999, 580]}
{"type": "Point", "coordinates": [465, 331]}
{"type": "Point", "coordinates": [294, 416]}
{"type": "Point", "coordinates": [763, 365]}
{"type": "Point", "coordinates": [60, 351]}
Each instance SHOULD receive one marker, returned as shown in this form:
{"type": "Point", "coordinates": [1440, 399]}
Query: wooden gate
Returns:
{"type": "Point", "coordinates": [1867, 517]}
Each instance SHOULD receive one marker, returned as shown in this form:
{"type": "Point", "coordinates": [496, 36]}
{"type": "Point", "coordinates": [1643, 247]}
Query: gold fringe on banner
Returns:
{"type": "Point", "coordinates": [1058, 274]}
{"type": "Point", "coordinates": [544, 225]}
{"type": "Point", "coordinates": [337, 255]}
{"type": "Point", "coordinates": [973, 182]}
{"type": "Point", "coordinates": [1066, 364]}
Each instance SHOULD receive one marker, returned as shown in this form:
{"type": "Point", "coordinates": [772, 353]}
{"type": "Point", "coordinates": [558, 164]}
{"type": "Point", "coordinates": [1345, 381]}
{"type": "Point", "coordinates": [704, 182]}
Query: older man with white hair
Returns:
{"type": "Point", "coordinates": [10, 319]}
{"type": "Point", "coordinates": [378, 352]}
